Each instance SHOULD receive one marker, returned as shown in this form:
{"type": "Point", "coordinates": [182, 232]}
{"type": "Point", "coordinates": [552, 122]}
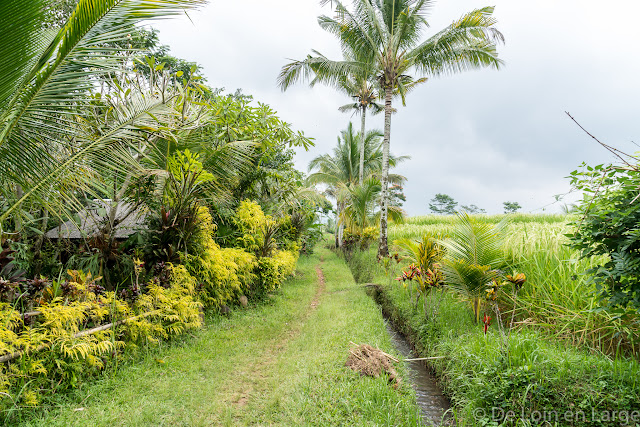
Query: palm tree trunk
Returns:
{"type": "Point", "coordinates": [362, 138]}
{"type": "Point", "coordinates": [338, 240]}
{"type": "Point", "coordinates": [341, 225]}
{"type": "Point", "coordinates": [383, 246]}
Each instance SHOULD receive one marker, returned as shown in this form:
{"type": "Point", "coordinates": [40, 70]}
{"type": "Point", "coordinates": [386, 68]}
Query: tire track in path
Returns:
{"type": "Point", "coordinates": [258, 370]}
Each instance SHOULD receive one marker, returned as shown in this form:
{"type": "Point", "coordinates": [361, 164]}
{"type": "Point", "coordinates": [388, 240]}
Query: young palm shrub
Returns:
{"type": "Point", "coordinates": [473, 259]}
{"type": "Point", "coordinates": [425, 256]}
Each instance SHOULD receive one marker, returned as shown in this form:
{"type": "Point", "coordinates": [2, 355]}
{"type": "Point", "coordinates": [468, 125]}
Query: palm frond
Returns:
{"type": "Point", "coordinates": [474, 255]}
{"type": "Point", "coordinates": [468, 43]}
{"type": "Point", "coordinates": [48, 146]}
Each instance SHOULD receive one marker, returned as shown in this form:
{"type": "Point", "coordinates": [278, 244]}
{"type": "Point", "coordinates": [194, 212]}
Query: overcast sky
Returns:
{"type": "Point", "coordinates": [483, 137]}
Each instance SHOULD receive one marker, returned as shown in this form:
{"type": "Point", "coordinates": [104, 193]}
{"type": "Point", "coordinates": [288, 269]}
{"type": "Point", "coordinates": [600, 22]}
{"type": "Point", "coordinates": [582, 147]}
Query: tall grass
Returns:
{"type": "Point", "coordinates": [534, 374]}
{"type": "Point", "coordinates": [558, 297]}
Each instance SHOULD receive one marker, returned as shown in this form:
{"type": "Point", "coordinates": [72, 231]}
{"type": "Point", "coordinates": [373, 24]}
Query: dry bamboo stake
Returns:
{"type": "Point", "coordinates": [424, 358]}
{"type": "Point", "coordinates": [357, 356]}
{"type": "Point", "coordinates": [11, 356]}
{"type": "Point", "coordinates": [389, 356]}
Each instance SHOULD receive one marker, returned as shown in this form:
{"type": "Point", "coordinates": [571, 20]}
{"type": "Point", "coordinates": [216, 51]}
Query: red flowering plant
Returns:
{"type": "Point", "coordinates": [425, 271]}
{"type": "Point", "coordinates": [494, 288]}
{"type": "Point", "coordinates": [486, 320]}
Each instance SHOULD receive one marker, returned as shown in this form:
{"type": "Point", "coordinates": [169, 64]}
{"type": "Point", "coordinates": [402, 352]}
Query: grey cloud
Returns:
{"type": "Point", "coordinates": [483, 137]}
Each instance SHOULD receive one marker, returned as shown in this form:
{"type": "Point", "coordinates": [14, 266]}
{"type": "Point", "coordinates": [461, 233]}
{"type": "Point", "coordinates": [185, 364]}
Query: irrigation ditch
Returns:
{"type": "Point", "coordinates": [434, 406]}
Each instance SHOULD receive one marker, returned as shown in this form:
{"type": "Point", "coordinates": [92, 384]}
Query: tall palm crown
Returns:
{"type": "Point", "coordinates": [386, 37]}
{"type": "Point", "coordinates": [343, 165]}
{"type": "Point", "coordinates": [365, 96]}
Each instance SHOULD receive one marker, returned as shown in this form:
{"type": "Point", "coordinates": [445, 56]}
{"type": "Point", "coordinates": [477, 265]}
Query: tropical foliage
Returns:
{"type": "Point", "coordinates": [340, 172]}
{"type": "Point", "coordinates": [49, 144]}
{"type": "Point", "coordinates": [608, 226]}
{"type": "Point", "coordinates": [100, 128]}
{"type": "Point", "coordinates": [383, 40]}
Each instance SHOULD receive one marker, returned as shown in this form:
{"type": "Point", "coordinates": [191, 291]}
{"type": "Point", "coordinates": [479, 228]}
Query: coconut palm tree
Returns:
{"type": "Point", "coordinates": [473, 258]}
{"type": "Point", "coordinates": [48, 153]}
{"type": "Point", "coordinates": [340, 170]}
{"type": "Point", "coordinates": [365, 96]}
{"type": "Point", "coordinates": [387, 36]}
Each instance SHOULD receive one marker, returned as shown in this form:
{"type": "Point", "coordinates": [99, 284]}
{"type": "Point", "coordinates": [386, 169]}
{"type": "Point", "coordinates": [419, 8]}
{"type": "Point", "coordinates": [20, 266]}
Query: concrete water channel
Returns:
{"type": "Point", "coordinates": [434, 406]}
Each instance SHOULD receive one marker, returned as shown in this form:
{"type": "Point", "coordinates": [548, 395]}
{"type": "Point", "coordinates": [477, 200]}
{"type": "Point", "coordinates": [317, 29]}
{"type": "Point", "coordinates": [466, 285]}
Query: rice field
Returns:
{"type": "Point", "coordinates": [558, 297]}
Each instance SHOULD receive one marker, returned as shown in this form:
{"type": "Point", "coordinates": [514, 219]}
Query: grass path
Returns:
{"type": "Point", "coordinates": [278, 364]}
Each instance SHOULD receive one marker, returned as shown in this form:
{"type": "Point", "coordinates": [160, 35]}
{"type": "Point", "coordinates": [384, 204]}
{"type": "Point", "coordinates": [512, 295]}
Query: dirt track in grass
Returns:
{"type": "Point", "coordinates": [276, 350]}
{"type": "Point", "coordinates": [279, 363]}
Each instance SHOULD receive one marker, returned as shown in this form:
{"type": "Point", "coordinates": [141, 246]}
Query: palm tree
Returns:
{"type": "Point", "coordinates": [341, 170]}
{"type": "Point", "coordinates": [386, 34]}
{"type": "Point", "coordinates": [48, 153]}
{"type": "Point", "coordinates": [473, 258]}
{"type": "Point", "coordinates": [365, 96]}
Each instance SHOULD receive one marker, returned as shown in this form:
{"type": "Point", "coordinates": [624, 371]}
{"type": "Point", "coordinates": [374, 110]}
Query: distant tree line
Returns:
{"type": "Point", "coordinates": [443, 204]}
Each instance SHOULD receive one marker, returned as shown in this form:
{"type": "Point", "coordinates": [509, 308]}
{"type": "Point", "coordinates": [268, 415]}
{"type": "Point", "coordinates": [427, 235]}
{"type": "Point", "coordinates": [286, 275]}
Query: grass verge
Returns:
{"type": "Point", "coordinates": [279, 364]}
{"type": "Point", "coordinates": [534, 382]}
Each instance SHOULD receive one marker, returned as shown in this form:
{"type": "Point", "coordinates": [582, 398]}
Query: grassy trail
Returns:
{"type": "Point", "coordinates": [279, 364]}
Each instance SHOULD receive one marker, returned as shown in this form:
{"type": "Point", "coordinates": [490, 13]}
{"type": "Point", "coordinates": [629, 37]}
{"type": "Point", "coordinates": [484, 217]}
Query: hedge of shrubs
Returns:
{"type": "Point", "coordinates": [54, 333]}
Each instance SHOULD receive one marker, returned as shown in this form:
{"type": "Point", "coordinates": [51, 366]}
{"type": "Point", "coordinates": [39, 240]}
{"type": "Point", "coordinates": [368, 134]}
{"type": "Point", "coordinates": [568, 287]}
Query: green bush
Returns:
{"type": "Point", "coordinates": [608, 225]}
{"type": "Point", "coordinates": [273, 271]}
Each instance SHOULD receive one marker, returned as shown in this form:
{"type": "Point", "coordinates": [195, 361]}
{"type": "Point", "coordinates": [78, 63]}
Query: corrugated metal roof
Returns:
{"type": "Point", "coordinates": [93, 217]}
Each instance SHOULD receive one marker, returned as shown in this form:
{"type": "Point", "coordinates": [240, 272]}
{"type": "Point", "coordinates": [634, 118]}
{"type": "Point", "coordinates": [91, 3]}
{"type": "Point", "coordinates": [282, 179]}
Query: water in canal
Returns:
{"type": "Point", "coordinates": [433, 404]}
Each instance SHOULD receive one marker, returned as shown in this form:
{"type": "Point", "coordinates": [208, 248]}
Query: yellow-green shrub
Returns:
{"type": "Point", "coordinates": [52, 348]}
{"type": "Point", "coordinates": [251, 222]}
{"type": "Point", "coordinates": [223, 274]}
{"type": "Point", "coordinates": [56, 348]}
{"type": "Point", "coordinates": [272, 271]}
{"type": "Point", "coordinates": [286, 261]}
{"type": "Point", "coordinates": [360, 239]}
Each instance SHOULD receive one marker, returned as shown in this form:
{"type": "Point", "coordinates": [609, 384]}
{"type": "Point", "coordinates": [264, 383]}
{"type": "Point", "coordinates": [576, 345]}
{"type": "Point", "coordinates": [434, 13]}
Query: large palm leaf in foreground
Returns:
{"type": "Point", "coordinates": [387, 36]}
{"type": "Point", "coordinates": [473, 256]}
{"type": "Point", "coordinates": [46, 78]}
